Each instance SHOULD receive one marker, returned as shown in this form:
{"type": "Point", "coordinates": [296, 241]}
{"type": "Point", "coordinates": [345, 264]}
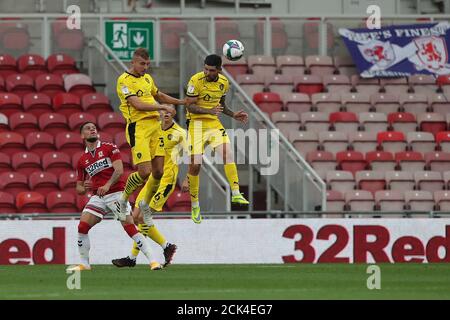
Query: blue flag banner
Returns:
{"type": "Point", "coordinates": [398, 51]}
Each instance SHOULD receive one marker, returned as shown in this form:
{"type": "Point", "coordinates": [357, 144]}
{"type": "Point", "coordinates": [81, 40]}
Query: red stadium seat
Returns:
{"type": "Point", "coordinates": [320, 65]}
{"type": "Point", "coordinates": [60, 63]}
{"type": "Point", "coordinates": [392, 141]}
{"type": "Point", "coordinates": [53, 123]}
{"type": "Point", "coordinates": [11, 143]}
{"type": "Point", "coordinates": [104, 136]}
{"type": "Point", "coordinates": [31, 202]}
{"type": "Point", "coordinates": [26, 162]}
{"type": "Point", "coordinates": [179, 201]}
{"type": "Point", "coordinates": [40, 142]}
{"type": "Point", "coordinates": [56, 162]}
{"type": "Point", "coordinates": [126, 159]}
{"type": "Point", "coordinates": [402, 121]}
{"type": "Point", "coordinates": [20, 84]}
{"type": "Point", "coordinates": [23, 123]}
{"type": "Point", "coordinates": [439, 103]}
{"type": "Point", "coordinates": [443, 141]}
{"type": "Point", "coordinates": [410, 161]}
{"type": "Point", "coordinates": [4, 126]}
{"type": "Point", "coordinates": [262, 65]}
{"type": "Point", "coordinates": [414, 103]}
{"type": "Point", "coordinates": [422, 83]}
{"type": "Point", "coordinates": [432, 122]}
{"type": "Point", "coordinates": [78, 118]}
{"type": "Point", "coordinates": [82, 200]}
{"type": "Point", "coordinates": [7, 204]}
{"type": "Point", "coordinates": [2, 84]}
{"type": "Point", "coordinates": [443, 82]}
{"type": "Point", "coordinates": [269, 102]}
{"type": "Point", "coordinates": [419, 201]}
{"type": "Point", "coordinates": [5, 163]}
{"type": "Point", "coordinates": [251, 83]}
{"type": "Point", "coordinates": [308, 84]}
{"type": "Point", "coordinates": [78, 84]}
{"type": "Point", "coordinates": [10, 103]}
{"type": "Point", "coordinates": [95, 103]}
{"type": "Point", "coordinates": [61, 202]}
{"type": "Point", "coordinates": [66, 103]}
{"type": "Point", "coordinates": [13, 182]}
{"type": "Point", "coordinates": [68, 181]}
{"type": "Point", "coordinates": [43, 182]}
{"type": "Point", "coordinates": [395, 85]}
{"type": "Point", "coordinates": [380, 160]}
{"type": "Point", "coordinates": [290, 65]}
{"type": "Point", "coordinates": [351, 161]}
{"type": "Point", "coordinates": [31, 64]}
{"type": "Point", "coordinates": [235, 68]}
{"type": "Point", "coordinates": [7, 65]}
{"type": "Point", "coordinates": [75, 157]}
{"type": "Point", "coordinates": [344, 122]}
{"type": "Point", "coordinates": [370, 180]}
{"type": "Point", "coordinates": [37, 103]}
{"type": "Point", "coordinates": [111, 122]}
{"type": "Point", "coordinates": [50, 84]}
{"type": "Point", "coordinates": [68, 142]}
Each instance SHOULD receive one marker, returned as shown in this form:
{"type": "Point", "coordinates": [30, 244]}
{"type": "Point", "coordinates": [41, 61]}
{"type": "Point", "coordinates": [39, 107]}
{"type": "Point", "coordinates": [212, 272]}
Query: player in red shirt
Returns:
{"type": "Point", "coordinates": [100, 169]}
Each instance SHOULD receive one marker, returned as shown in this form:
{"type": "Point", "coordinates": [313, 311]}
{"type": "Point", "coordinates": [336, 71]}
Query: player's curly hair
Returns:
{"type": "Point", "coordinates": [214, 60]}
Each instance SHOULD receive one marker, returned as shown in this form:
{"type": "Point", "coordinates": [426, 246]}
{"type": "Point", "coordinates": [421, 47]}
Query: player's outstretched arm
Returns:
{"type": "Point", "coordinates": [239, 116]}
{"type": "Point", "coordinates": [142, 106]}
{"type": "Point", "coordinates": [118, 171]}
{"type": "Point", "coordinates": [165, 98]}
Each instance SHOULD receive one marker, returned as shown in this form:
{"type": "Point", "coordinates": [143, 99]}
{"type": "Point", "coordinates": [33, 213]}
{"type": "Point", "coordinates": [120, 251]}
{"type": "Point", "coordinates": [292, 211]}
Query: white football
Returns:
{"type": "Point", "coordinates": [233, 50]}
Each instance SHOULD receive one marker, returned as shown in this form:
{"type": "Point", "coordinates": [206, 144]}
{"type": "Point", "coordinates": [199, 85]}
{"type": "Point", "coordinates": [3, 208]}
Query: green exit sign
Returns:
{"type": "Point", "coordinates": [123, 37]}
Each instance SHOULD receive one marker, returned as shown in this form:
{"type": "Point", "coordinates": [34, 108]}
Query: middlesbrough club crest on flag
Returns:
{"type": "Point", "coordinates": [432, 53]}
{"type": "Point", "coordinates": [378, 53]}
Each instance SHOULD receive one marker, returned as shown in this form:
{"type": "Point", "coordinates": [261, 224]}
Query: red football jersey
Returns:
{"type": "Point", "coordinates": [97, 166]}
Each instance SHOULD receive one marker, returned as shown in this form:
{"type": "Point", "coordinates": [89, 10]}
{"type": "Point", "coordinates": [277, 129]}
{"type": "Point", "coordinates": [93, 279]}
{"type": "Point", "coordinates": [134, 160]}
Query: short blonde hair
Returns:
{"type": "Point", "coordinates": [141, 52]}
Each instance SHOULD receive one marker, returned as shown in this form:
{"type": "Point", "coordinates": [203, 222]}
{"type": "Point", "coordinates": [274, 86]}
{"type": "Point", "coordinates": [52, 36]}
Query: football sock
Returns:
{"type": "Point", "coordinates": [134, 181]}
{"type": "Point", "coordinates": [139, 239]}
{"type": "Point", "coordinates": [232, 176]}
{"type": "Point", "coordinates": [150, 188]}
{"type": "Point", "coordinates": [194, 184]}
{"type": "Point", "coordinates": [84, 244]}
{"type": "Point", "coordinates": [157, 236]}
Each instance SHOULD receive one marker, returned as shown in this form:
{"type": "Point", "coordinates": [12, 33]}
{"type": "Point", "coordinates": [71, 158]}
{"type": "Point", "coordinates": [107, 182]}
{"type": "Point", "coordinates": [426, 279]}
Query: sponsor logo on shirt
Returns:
{"type": "Point", "coordinates": [98, 166]}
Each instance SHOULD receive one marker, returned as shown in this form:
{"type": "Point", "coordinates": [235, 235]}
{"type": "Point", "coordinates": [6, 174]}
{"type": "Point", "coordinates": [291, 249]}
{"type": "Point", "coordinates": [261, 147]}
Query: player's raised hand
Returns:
{"type": "Point", "coordinates": [217, 110]}
{"type": "Point", "coordinates": [241, 116]}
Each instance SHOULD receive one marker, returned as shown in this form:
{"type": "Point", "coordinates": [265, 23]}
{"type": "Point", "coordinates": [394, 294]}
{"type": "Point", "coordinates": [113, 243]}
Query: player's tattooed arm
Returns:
{"type": "Point", "coordinates": [83, 186]}
{"type": "Point", "coordinates": [239, 115]}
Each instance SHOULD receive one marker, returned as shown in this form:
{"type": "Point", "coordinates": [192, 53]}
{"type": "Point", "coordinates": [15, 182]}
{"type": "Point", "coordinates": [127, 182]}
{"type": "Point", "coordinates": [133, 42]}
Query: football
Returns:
{"type": "Point", "coordinates": [233, 50]}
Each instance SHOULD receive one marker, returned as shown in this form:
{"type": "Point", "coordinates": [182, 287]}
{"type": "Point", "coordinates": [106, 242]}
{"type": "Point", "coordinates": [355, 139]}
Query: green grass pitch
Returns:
{"type": "Point", "coordinates": [179, 282]}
